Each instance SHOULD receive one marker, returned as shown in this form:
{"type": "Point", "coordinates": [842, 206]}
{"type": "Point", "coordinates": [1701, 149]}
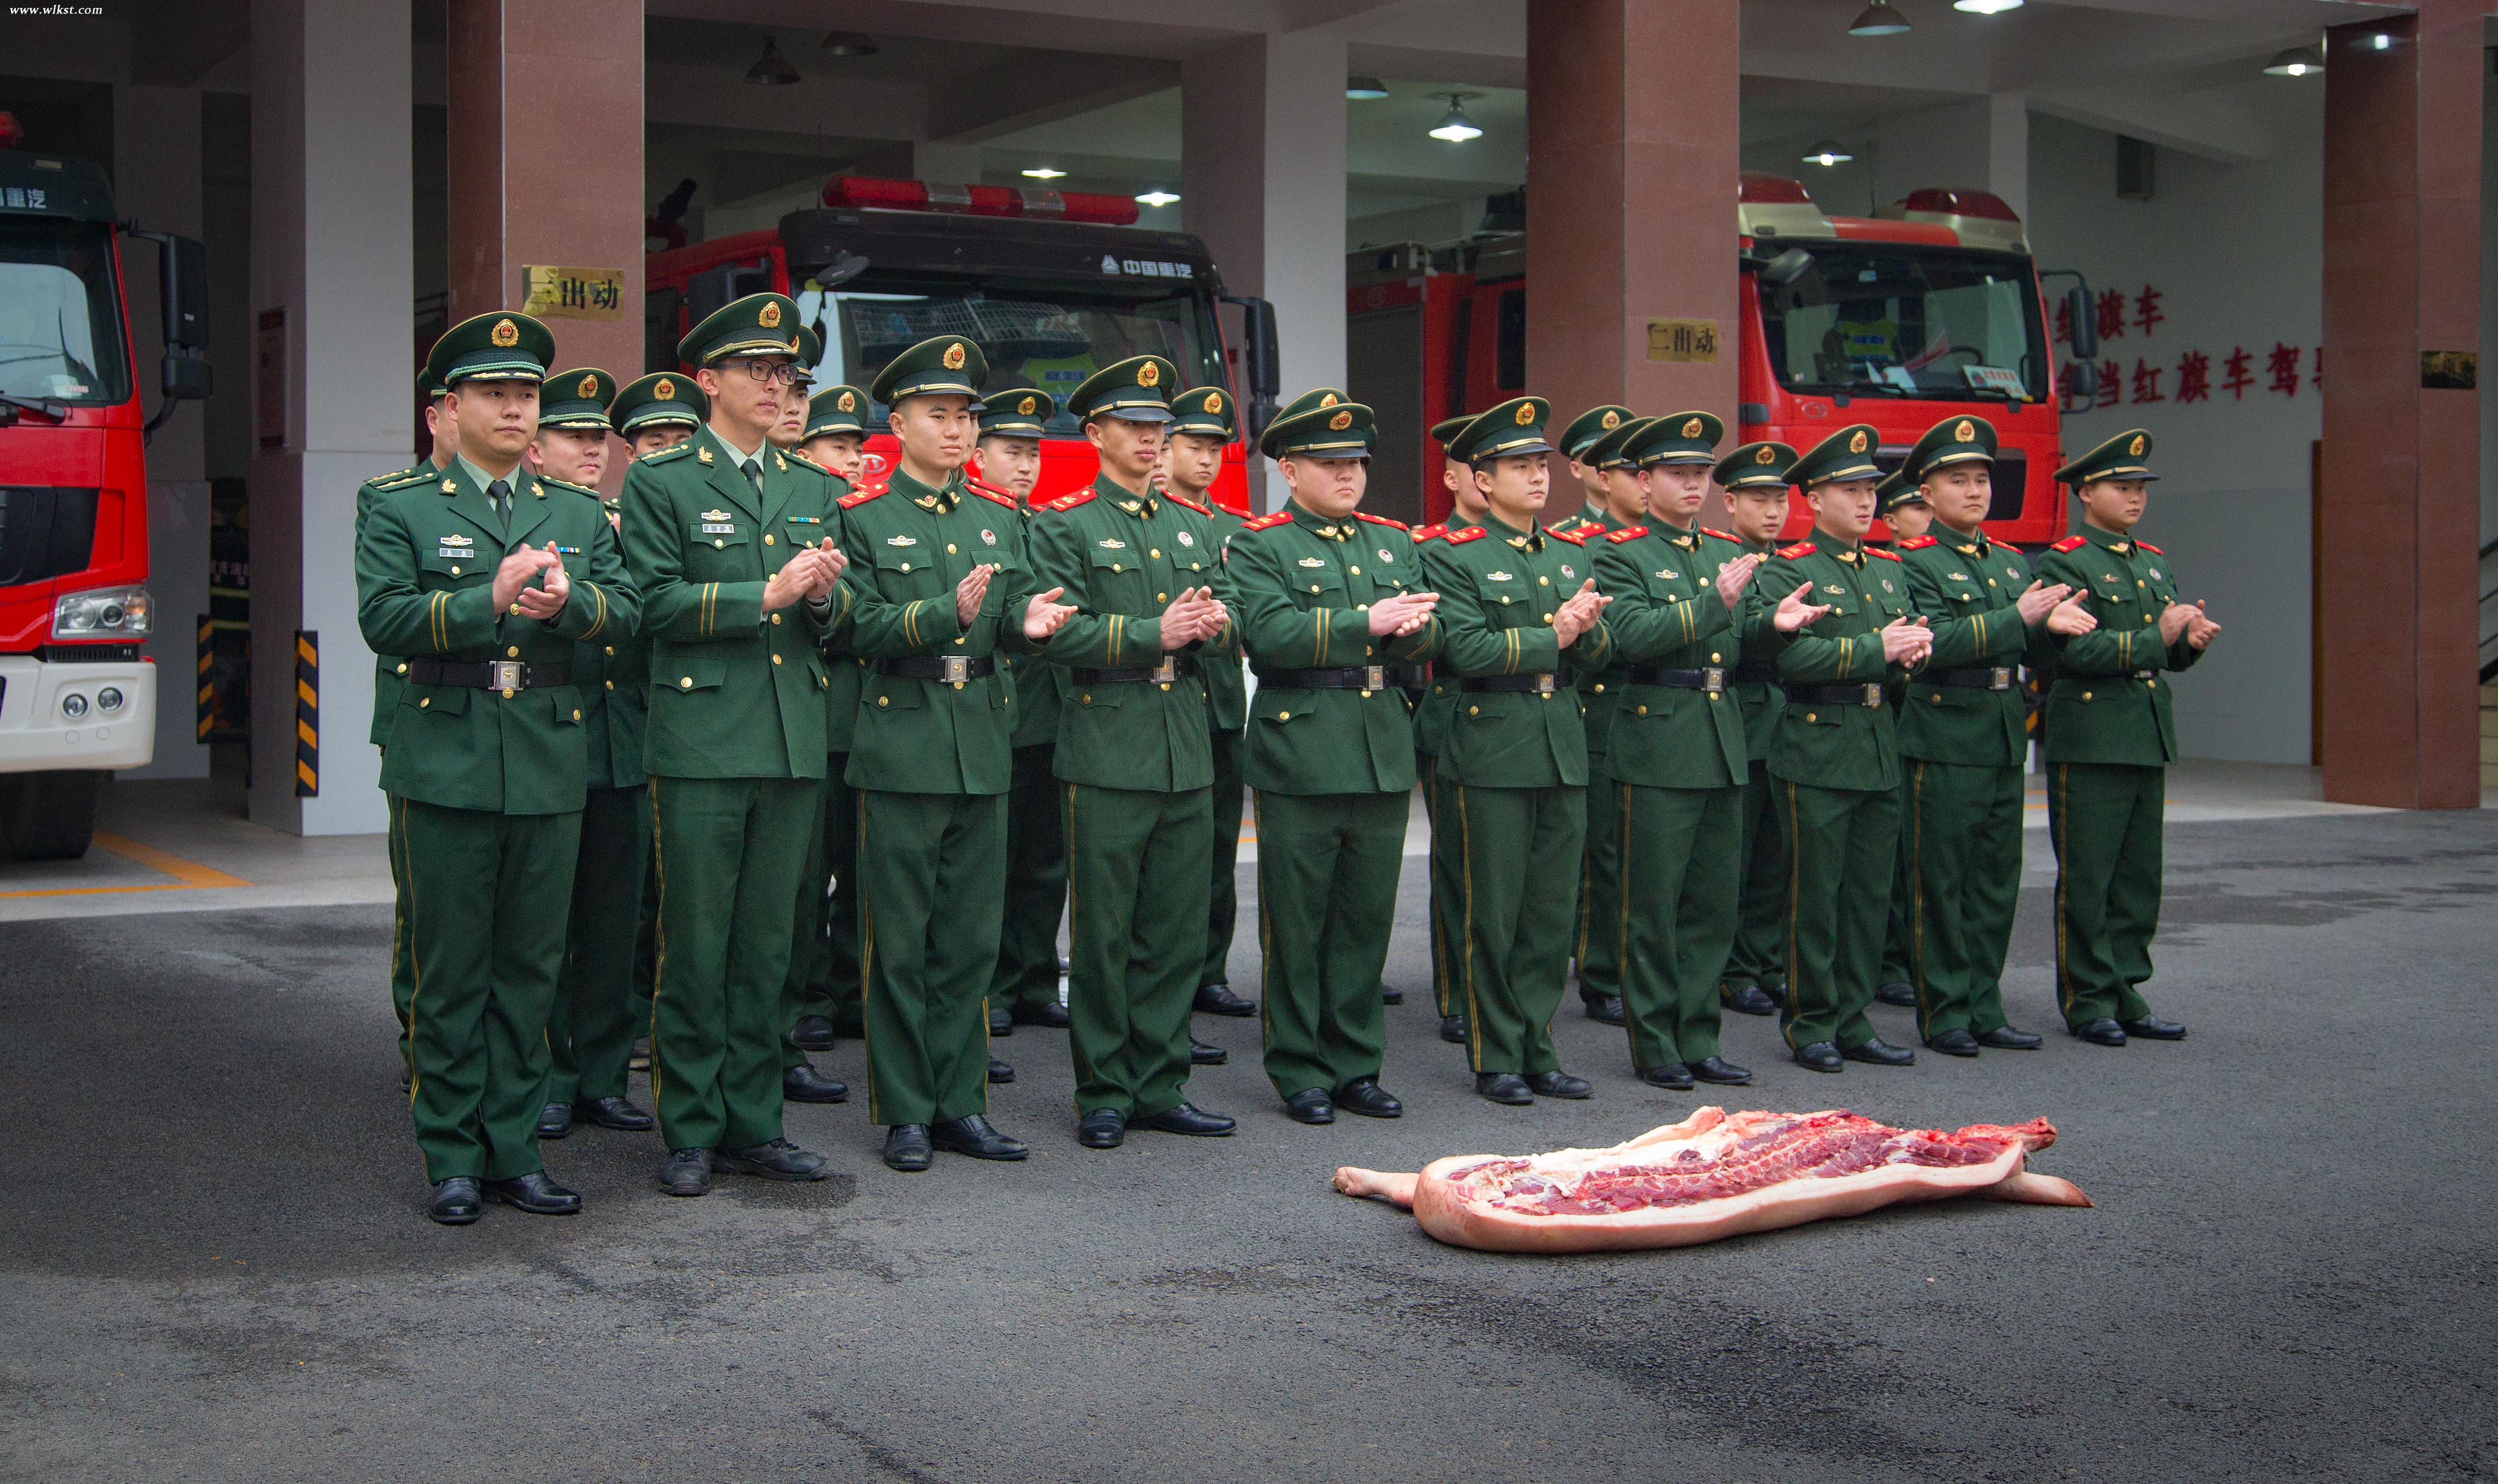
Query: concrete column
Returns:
{"type": "Point", "coordinates": [545, 107]}
{"type": "Point", "coordinates": [2402, 255]}
{"type": "Point", "coordinates": [1975, 144]}
{"type": "Point", "coordinates": [156, 181]}
{"type": "Point", "coordinates": [1630, 203]}
{"type": "Point", "coordinates": [332, 279]}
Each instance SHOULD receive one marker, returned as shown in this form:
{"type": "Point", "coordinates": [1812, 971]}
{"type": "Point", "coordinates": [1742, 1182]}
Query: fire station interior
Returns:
{"type": "Point", "coordinates": [2160, 174]}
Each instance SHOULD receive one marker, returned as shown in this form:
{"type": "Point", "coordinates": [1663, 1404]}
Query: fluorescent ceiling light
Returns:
{"type": "Point", "coordinates": [1044, 173]}
{"type": "Point", "coordinates": [1365, 87]}
{"type": "Point", "coordinates": [1829, 152]}
{"type": "Point", "coordinates": [1986, 7]}
{"type": "Point", "coordinates": [772, 69]}
{"type": "Point", "coordinates": [2295, 62]}
{"type": "Point", "coordinates": [1157, 197]}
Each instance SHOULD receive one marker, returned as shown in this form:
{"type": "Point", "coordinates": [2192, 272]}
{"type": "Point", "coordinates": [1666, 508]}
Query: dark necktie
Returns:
{"type": "Point", "coordinates": [754, 475]}
{"type": "Point", "coordinates": [501, 495]}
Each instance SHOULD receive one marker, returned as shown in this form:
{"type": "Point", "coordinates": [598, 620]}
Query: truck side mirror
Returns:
{"type": "Point", "coordinates": [1261, 366]}
{"type": "Point", "coordinates": [2086, 324]}
{"type": "Point", "coordinates": [182, 297]}
{"type": "Point", "coordinates": [2082, 381]}
{"type": "Point", "coordinates": [1786, 268]}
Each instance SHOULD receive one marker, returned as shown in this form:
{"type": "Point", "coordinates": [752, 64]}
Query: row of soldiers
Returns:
{"type": "Point", "coordinates": [760, 673]}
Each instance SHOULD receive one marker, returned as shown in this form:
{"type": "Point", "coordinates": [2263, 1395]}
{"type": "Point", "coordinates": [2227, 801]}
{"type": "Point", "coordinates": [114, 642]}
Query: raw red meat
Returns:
{"type": "Point", "coordinates": [1713, 1175]}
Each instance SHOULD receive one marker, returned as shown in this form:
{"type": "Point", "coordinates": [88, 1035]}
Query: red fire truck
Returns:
{"type": "Point", "coordinates": [76, 697]}
{"type": "Point", "coordinates": [1052, 286]}
{"type": "Point", "coordinates": [1930, 310]}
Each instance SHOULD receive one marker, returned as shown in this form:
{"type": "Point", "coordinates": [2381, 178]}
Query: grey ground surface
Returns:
{"type": "Point", "coordinates": [212, 1263]}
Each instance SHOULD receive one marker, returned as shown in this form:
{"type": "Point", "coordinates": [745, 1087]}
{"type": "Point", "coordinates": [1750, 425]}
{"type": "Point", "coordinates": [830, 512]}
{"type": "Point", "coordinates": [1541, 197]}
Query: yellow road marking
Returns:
{"type": "Point", "coordinates": [188, 876]}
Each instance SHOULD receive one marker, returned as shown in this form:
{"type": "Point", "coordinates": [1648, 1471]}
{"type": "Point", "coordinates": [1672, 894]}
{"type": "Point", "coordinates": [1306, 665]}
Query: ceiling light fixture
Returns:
{"type": "Point", "coordinates": [849, 44]}
{"type": "Point", "coordinates": [772, 69]}
{"type": "Point", "coordinates": [1044, 173]}
{"type": "Point", "coordinates": [1453, 126]}
{"type": "Point", "coordinates": [1986, 7]}
{"type": "Point", "coordinates": [1829, 152]}
{"type": "Point", "coordinates": [2295, 62]}
{"type": "Point", "coordinates": [1878, 20]}
{"type": "Point", "coordinates": [1365, 87]}
{"type": "Point", "coordinates": [1157, 197]}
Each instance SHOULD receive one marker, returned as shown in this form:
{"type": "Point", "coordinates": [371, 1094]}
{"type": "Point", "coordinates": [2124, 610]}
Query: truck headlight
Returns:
{"type": "Point", "coordinates": [110, 698]}
{"type": "Point", "coordinates": [102, 612]}
{"type": "Point", "coordinates": [74, 705]}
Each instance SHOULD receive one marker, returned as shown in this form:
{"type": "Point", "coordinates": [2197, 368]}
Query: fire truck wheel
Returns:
{"type": "Point", "coordinates": [49, 817]}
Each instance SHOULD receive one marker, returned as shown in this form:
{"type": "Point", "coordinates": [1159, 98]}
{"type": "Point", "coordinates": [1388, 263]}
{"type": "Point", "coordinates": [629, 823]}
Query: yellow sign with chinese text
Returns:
{"type": "Point", "coordinates": [1682, 340]}
{"type": "Point", "coordinates": [573, 293]}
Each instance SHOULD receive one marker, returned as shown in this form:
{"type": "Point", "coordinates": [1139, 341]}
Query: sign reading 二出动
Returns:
{"type": "Point", "coordinates": [573, 293]}
{"type": "Point", "coordinates": [1692, 340]}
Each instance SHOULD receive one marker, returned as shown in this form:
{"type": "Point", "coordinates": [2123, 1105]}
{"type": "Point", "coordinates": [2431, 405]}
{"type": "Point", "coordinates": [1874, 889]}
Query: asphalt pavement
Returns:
{"type": "Point", "coordinates": [213, 1264]}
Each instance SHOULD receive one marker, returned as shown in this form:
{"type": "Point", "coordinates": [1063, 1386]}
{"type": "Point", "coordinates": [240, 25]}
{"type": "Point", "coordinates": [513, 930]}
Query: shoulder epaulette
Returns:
{"type": "Point", "coordinates": [1800, 549]}
{"type": "Point", "coordinates": [1460, 538]}
{"type": "Point", "coordinates": [1363, 515]}
{"type": "Point", "coordinates": [1917, 542]}
{"type": "Point", "coordinates": [1886, 556]}
{"type": "Point", "coordinates": [2067, 544]}
{"type": "Point", "coordinates": [2153, 550]}
{"type": "Point", "coordinates": [1571, 537]}
{"type": "Point", "coordinates": [1071, 502]}
{"type": "Point", "coordinates": [1627, 533]}
{"type": "Point", "coordinates": [1264, 522]}
{"type": "Point", "coordinates": [672, 451]}
{"type": "Point", "coordinates": [794, 457]}
{"type": "Point", "coordinates": [996, 496]}
{"type": "Point", "coordinates": [1422, 533]}
{"type": "Point", "coordinates": [565, 484]}
{"type": "Point", "coordinates": [1184, 500]}
{"type": "Point", "coordinates": [1711, 530]}
{"type": "Point", "coordinates": [402, 478]}
{"type": "Point", "coordinates": [861, 496]}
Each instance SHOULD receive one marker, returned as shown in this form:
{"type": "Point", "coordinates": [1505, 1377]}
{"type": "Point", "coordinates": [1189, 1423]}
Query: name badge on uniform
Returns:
{"type": "Point", "coordinates": [719, 528]}
{"type": "Point", "coordinates": [456, 545]}
{"type": "Point", "coordinates": [1312, 561]}
{"type": "Point", "coordinates": [1113, 543]}
{"type": "Point", "coordinates": [901, 541]}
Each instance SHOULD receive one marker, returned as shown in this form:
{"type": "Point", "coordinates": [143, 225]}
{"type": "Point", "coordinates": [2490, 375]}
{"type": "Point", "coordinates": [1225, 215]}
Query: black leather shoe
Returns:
{"type": "Point", "coordinates": [1000, 1072]}
{"type": "Point", "coordinates": [1558, 1084]}
{"type": "Point", "coordinates": [1188, 1118]}
{"type": "Point", "coordinates": [1310, 1105]}
{"type": "Point", "coordinates": [1217, 999]}
{"type": "Point", "coordinates": [455, 1201]}
{"type": "Point", "coordinates": [1001, 1021]}
{"type": "Point", "coordinates": [2104, 1031]}
{"type": "Point", "coordinates": [1605, 1008]}
{"type": "Point", "coordinates": [1674, 1077]}
{"type": "Point", "coordinates": [1821, 1056]}
{"type": "Point", "coordinates": [1751, 999]}
{"type": "Point", "coordinates": [803, 1084]}
{"type": "Point", "coordinates": [812, 1033]}
{"type": "Point", "coordinates": [636, 1060]}
{"type": "Point", "coordinates": [1051, 1014]}
{"type": "Point", "coordinates": [687, 1172]}
{"type": "Point", "coordinates": [1876, 1052]}
{"type": "Point", "coordinates": [1200, 1054]}
{"type": "Point", "coordinates": [1453, 1029]}
{"type": "Point", "coordinates": [1722, 1072]}
{"type": "Point", "coordinates": [535, 1194]}
{"type": "Point", "coordinates": [1389, 997]}
{"type": "Point", "coordinates": [1954, 1043]}
{"type": "Point", "coordinates": [2153, 1027]}
{"type": "Point", "coordinates": [1102, 1128]}
{"type": "Point", "coordinates": [615, 1113]}
{"type": "Point", "coordinates": [907, 1148]}
{"type": "Point", "coordinates": [1899, 992]}
{"type": "Point", "coordinates": [974, 1136]}
{"type": "Point", "coordinates": [1366, 1096]}
{"type": "Point", "coordinates": [2005, 1038]}
{"type": "Point", "coordinates": [1503, 1088]}
{"type": "Point", "coordinates": [555, 1121]}
{"type": "Point", "coordinates": [778, 1160]}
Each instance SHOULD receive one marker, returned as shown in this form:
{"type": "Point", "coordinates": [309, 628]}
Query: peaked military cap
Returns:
{"type": "Point", "coordinates": [811, 351]}
{"type": "Point", "coordinates": [1445, 432]}
{"type": "Point", "coordinates": [502, 346]}
{"type": "Point", "coordinates": [1848, 454]}
{"type": "Point", "coordinates": [1514, 426]}
{"type": "Point", "coordinates": [1608, 451]}
{"type": "Point", "coordinates": [576, 398]}
{"type": "Point", "coordinates": [1206, 411]}
{"type": "Point", "coordinates": [946, 365]}
{"type": "Point", "coordinates": [1953, 440]}
{"type": "Point", "coordinates": [1136, 390]}
{"type": "Point", "coordinates": [1316, 397]}
{"type": "Point", "coordinates": [1590, 426]}
{"type": "Point", "coordinates": [2126, 456]}
{"type": "Point", "coordinates": [1754, 466]}
{"type": "Point", "coordinates": [1016, 412]}
{"type": "Point", "coordinates": [758, 325]}
{"type": "Point", "coordinates": [426, 386]}
{"type": "Point", "coordinates": [667, 396]}
{"type": "Point", "coordinates": [1680, 437]}
{"type": "Point", "coordinates": [1897, 490]}
{"type": "Point", "coordinates": [1341, 430]}
{"type": "Point", "coordinates": [840, 409]}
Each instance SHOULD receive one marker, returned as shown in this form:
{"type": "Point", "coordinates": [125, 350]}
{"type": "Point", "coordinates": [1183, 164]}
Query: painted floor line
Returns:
{"type": "Point", "coordinates": [188, 876]}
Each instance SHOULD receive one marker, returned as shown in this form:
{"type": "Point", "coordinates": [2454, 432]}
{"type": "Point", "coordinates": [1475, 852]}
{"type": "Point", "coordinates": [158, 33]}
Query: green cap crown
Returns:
{"type": "Point", "coordinates": [1754, 466]}
{"type": "Point", "coordinates": [810, 350]}
{"type": "Point", "coordinates": [1206, 411]}
{"type": "Point", "coordinates": [1514, 426]}
{"type": "Point", "coordinates": [576, 398]}
{"type": "Point", "coordinates": [1340, 431]}
{"type": "Point", "coordinates": [946, 365]}
{"type": "Point", "coordinates": [1137, 390]}
{"type": "Point", "coordinates": [1953, 440]}
{"type": "Point", "coordinates": [2126, 456]}
{"type": "Point", "coordinates": [758, 325]}
{"type": "Point", "coordinates": [1315, 397]}
{"type": "Point", "coordinates": [1590, 426]}
{"type": "Point", "coordinates": [503, 346]}
{"type": "Point", "coordinates": [1680, 437]}
{"type": "Point", "coordinates": [840, 409]}
{"type": "Point", "coordinates": [426, 386]}
{"type": "Point", "coordinates": [1897, 490]}
{"type": "Point", "coordinates": [1609, 451]}
{"type": "Point", "coordinates": [1016, 412]}
{"type": "Point", "coordinates": [1446, 430]}
{"type": "Point", "coordinates": [666, 396]}
{"type": "Point", "coordinates": [1848, 454]}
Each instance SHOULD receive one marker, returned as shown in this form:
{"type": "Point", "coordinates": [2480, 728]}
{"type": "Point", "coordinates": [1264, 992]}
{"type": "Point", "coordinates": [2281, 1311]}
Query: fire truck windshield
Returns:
{"type": "Point", "coordinates": [1050, 337]}
{"type": "Point", "coordinates": [60, 316]}
{"type": "Point", "coordinates": [1902, 320]}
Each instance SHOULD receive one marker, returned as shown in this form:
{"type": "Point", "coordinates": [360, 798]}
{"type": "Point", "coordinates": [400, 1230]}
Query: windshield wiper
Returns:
{"type": "Point", "coordinates": [56, 412]}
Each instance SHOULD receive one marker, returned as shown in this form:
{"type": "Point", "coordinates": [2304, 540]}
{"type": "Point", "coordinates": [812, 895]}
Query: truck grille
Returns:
{"type": "Point", "coordinates": [45, 532]}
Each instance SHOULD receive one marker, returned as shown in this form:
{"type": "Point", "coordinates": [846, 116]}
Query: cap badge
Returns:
{"type": "Point", "coordinates": [505, 333]}
{"type": "Point", "coordinates": [1965, 433]}
{"type": "Point", "coordinates": [1856, 444]}
{"type": "Point", "coordinates": [1525, 414]}
{"type": "Point", "coordinates": [1213, 402]}
{"type": "Point", "coordinates": [848, 403]}
{"type": "Point", "coordinates": [589, 386]}
{"type": "Point", "coordinates": [954, 357]}
{"type": "Point", "coordinates": [1767, 454]}
{"type": "Point", "coordinates": [1691, 429]}
{"type": "Point", "coordinates": [1610, 421]}
{"type": "Point", "coordinates": [1327, 400]}
{"type": "Point", "coordinates": [769, 316]}
{"type": "Point", "coordinates": [1028, 406]}
{"type": "Point", "coordinates": [2135, 448]}
{"type": "Point", "coordinates": [1149, 374]}
{"type": "Point", "coordinates": [664, 392]}
{"type": "Point", "coordinates": [1341, 422]}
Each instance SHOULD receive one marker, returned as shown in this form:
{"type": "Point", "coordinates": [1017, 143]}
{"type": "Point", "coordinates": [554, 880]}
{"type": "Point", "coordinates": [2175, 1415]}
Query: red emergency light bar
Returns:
{"type": "Point", "coordinates": [1761, 188]}
{"type": "Point", "coordinates": [883, 193]}
{"type": "Point", "coordinates": [1980, 204]}
{"type": "Point", "coordinates": [11, 134]}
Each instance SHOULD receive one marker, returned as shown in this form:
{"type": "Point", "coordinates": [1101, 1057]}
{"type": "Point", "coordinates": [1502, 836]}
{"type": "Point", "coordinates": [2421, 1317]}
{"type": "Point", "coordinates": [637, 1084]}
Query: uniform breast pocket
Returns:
{"type": "Point", "coordinates": [1319, 588]}
{"type": "Point", "coordinates": [796, 532]}
{"type": "Point", "coordinates": [1118, 578]}
{"type": "Point", "coordinates": [718, 549]}
{"type": "Point", "coordinates": [905, 571]}
{"type": "Point", "coordinates": [1502, 597]}
{"type": "Point", "coordinates": [456, 566]}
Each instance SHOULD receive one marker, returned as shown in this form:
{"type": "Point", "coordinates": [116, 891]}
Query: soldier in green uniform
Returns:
{"type": "Point", "coordinates": [1835, 761]}
{"type": "Point", "coordinates": [726, 538]}
{"type": "Point", "coordinates": [1963, 741]}
{"type": "Point", "coordinates": [1517, 603]}
{"type": "Point", "coordinates": [1576, 439]}
{"type": "Point", "coordinates": [1434, 701]}
{"type": "Point", "coordinates": [1902, 503]}
{"type": "Point", "coordinates": [1754, 480]}
{"type": "Point", "coordinates": [1133, 758]}
{"type": "Point", "coordinates": [1328, 599]}
{"type": "Point", "coordinates": [485, 578]}
{"type": "Point", "coordinates": [834, 436]}
{"type": "Point", "coordinates": [1623, 503]}
{"type": "Point", "coordinates": [2110, 738]}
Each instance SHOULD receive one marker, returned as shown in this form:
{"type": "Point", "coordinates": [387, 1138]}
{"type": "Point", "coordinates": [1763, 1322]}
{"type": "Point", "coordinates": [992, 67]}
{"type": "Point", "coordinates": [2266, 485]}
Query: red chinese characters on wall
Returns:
{"type": "Point", "coordinates": [2190, 378]}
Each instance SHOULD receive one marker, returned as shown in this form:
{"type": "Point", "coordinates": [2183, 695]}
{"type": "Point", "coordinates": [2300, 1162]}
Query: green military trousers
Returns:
{"type": "Point", "coordinates": [932, 892]}
{"type": "Point", "coordinates": [485, 928]}
{"type": "Point", "coordinates": [1680, 850]}
{"type": "Point", "coordinates": [1446, 870]}
{"type": "Point", "coordinates": [402, 967]}
{"type": "Point", "coordinates": [729, 853]}
{"type": "Point", "coordinates": [1223, 896]}
{"type": "Point", "coordinates": [1026, 978]}
{"type": "Point", "coordinates": [824, 962]}
{"type": "Point", "coordinates": [1600, 896]}
{"type": "Point", "coordinates": [1898, 923]}
{"type": "Point", "coordinates": [1841, 846]}
{"type": "Point", "coordinates": [591, 1029]}
{"type": "Point", "coordinates": [1518, 863]}
{"type": "Point", "coordinates": [1960, 846]}
{"type": "Point", "coordinates": [2105, 820]}
{"type": "Point", "coordinates": [1327, 904]}
{"type": "Point", "coordinates": [1135, 908]}
{"type": "Point", "coordinates": [1760, 955]}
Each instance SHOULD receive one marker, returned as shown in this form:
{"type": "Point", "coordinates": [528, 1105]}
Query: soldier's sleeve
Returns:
{"type": "Point", "coordinates": [1088, 638]}
{"type": "Point", "coordinates": [655, 560]}
{"type": "Point", "coordinates": [2181, 654]}
{"type": "Point", "coordinates": [1468, 641]}
{"type": "Point", "coordinates": [1643, 629]}
{"type": "Point", "coordinates": [1277, 633]}
{"type": "Point", "coordinates": [1809, 656]}
{"type": "Point", "coordinates": [888, 629]}
{"type": "Point", "coordinates": [1592, 649]}
{"type": "Point", "coordinates": [603, 603]}
{"type": "Point", "coordinates": [1023, 585]}
{"type": "Point", "coordinates": [2116, 646]}
{"type": "Point", "coordinates": [1756, 626]}
{"type": "Point", "coordinates": [1997, 636]}
{"type": "Point", "coordinates": [1413, 648]}
{"type": "Point", "coordinates": [392, 609]}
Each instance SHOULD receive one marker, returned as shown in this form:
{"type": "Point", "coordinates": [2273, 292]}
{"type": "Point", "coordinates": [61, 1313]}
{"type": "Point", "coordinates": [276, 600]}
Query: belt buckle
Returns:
{"type": "Point", "coordinates": [954, 668]}
{"type": "Point", "coordinates": [1872, 695]}
{"type": "Point", "coordinates": [506, 675]}
{"type": "Point", "coordinates": [1165, 673]}
{"type": "Point", "coordinates": [1544, 685]}
{"type": "Point", "coordinates": [1712, 677]}
{"type": "Point", "coordinates": [1374, 676]}
{"type": "Point", "coordinates": [2001, 677]}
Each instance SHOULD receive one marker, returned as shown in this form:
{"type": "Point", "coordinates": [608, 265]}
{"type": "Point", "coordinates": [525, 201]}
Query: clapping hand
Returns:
{"type": "Point", "coordinates": [2070, 617]}
{"type": "Point", "coordinates": [969, 591]}
{"type": "Point", "coordinates": [1906, 641]}
{"type": "Point", "coordinates": [1794, 612]}
{"type": "Point", "coordinates": [1044, 614]}
{"type": "Point", "coordinates": [2200, 630]}
{"type": "Point", "coordinates": [1192, 617]}
{"type": "Point", "coordinates": [516, 570]}
{"type": "Point", "coordinates": [1579, 613]}
{"type": "Point", "coordinates": [2038, 600]}
{"type": "Point", "coordinates": [1734, 577]}
{"type": "Point", "coordinates": [555, 589]}
{"type": "Point", "coordinates": [1402, 615]}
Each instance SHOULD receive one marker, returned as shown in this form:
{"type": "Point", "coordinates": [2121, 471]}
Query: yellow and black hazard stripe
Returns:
{"type": "Point", "coordinates": [208, 696]}
{"type": "Point", "coordinates": [308, 714]}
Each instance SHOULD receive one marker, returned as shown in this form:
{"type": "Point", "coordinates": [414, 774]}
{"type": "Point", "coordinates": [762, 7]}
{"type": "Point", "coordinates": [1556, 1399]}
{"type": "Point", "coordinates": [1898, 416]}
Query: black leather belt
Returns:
{"type": "Point", "coordinates": [1754, 672]}
{"type": "Point", "coordinates": [2000, 678]}
{"type": "Point", "coordinates": [1711, 679]}
{"type": "Point", "coordinates": [1539, 685]}
{"type": "Point", "coordinates": [504, 674]}
{"type": "Point", "coordinates": [1362, 677]}
{"type": "Point", "coordinates": [1839, 695]}
{"type": "Point", "coordinates": [956, 668]}
{"type": "Point", "coordinates": [1409, 677]}
{"type": "Point", "coordinates": [1171, 668]}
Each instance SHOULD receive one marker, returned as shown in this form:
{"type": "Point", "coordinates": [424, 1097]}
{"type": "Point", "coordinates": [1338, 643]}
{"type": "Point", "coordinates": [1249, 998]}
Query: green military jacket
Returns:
{"type": "Point", "coordinates": [910, 546]}
{"type": "Point", "coordinates": [1968, 588]}
{"type": "Point", "coordinates": [1598, 689]}
{"type": "Point", "coordinates": [390, 671]}
{"type": "Point", "coordinates": [1038, 686]}
{"type": "Point", "coordinates": [1666, 613]}
{"type": "Point", "coordinates": [613, 674]}
{"type": "Point", "coordinates": [1299, 588]}
{"type": "Point", "coordinates": [1838, 744]}
{"type": "Point", "coordinates": [2109, 704]}
{"type": "Point", "coordinates": [1226, 686]}
{"type": "Point", "coordinates": [735, 692]}
{"type": "Point", "coordinates": [1439, 697]}
{"type": "Point", "coordinates": [1762, 700]}
{"type": "Point", "coordinates": [425, 579]}
{"type": "Point", "coordinates": [1499, 588]}
{"type": "Point", "coordinates": [1122, 558]}
{"type": "Point", "coordinates": [844, 670]}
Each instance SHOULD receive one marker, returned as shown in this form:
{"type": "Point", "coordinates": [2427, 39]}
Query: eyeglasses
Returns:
{"type": "Point", "coordinates": [786, 372]}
